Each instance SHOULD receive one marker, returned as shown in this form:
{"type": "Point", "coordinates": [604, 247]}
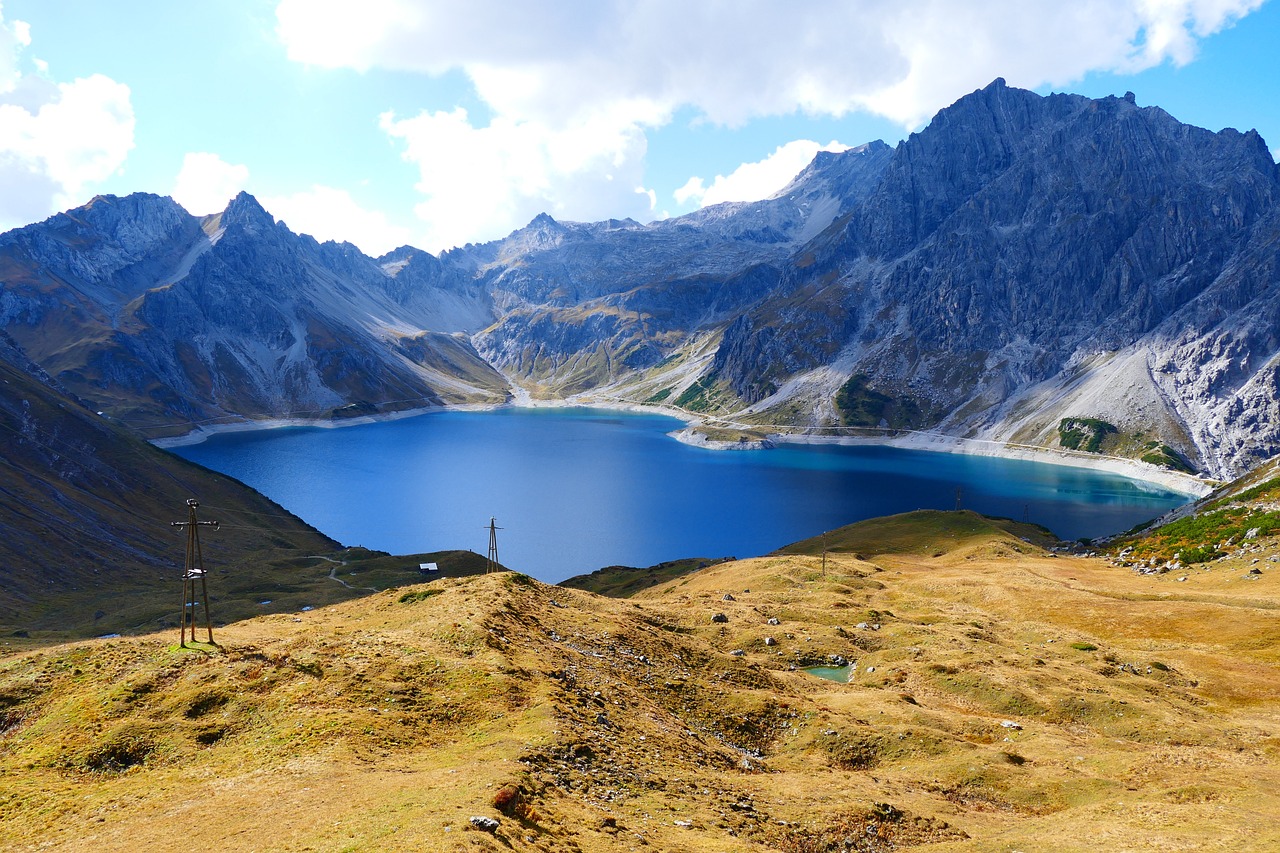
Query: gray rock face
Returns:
{"type": "Point", "coordinates": [163, 319]}
{"type": "Point", "coordinates": [1022, 240]}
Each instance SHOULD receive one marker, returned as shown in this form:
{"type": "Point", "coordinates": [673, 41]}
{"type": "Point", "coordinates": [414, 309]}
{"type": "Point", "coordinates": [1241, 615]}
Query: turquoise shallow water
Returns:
{"type": "Point", "coordinates": [830, 673]}
{"type": "Point", "coordinates": [577, 489]}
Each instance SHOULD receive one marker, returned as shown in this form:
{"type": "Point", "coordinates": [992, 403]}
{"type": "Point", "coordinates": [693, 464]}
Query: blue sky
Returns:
{"type": "Point", "coordinates": [433, 123]}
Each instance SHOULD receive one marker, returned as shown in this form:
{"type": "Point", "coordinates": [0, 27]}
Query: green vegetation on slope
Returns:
{"type": "Point", "coordinates": [860, 405]}
{"type": "Point", "coordinates": [1085, 434]}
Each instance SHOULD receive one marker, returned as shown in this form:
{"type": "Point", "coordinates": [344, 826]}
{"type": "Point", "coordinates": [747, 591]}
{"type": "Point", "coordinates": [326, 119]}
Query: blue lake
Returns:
{"type": "Point", "coordinates": [578, 489]}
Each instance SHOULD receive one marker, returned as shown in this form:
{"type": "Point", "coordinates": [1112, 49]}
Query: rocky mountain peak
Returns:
{"type": "Point", "coordinates": [245, 211]}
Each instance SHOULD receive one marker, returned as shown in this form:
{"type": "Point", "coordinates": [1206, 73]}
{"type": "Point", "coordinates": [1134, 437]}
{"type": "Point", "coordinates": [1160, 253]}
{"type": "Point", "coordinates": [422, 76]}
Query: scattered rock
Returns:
{"type": "Point", "coordinates": [772, 620]}
{"type": "Point", "coordinates": [484, 824]}
{"type": "Point", "coordinates": [738, 653]}
{"type": "Point", "coordinates": [719, 617]}
{"type": "Point", "coordinates": [1010, 724]}
{"type": "Point", "coordinates": [686, 824]}
{"type": "Point", "coordinates": [728, 596]}
{"type": "Point", "coordinates": [770, 641]}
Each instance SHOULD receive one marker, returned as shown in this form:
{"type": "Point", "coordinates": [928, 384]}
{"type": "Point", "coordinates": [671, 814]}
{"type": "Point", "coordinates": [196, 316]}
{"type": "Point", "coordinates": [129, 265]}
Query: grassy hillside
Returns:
{"type": "Point", "coordinates": [1002, 699]}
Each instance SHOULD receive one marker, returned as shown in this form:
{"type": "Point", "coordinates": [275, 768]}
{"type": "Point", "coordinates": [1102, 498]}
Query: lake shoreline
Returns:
{"type": "Point", "coordinates": [1185, 484]}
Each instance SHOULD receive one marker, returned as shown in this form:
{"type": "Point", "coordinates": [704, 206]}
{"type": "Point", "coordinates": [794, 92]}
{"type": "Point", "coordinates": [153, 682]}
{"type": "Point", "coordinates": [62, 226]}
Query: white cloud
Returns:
{"type": "Point", "coordinates": [573, 86]}
{"type": "Point", "coordinates": [327, 213]}
{"type": "Point", "coordinates": [484, 182]}
{"type": "Point", "coordinates": [733, 61]}
{"type": "Point", "coordinates": [754, 181]}
{"type": "Point", "coordinates": [49, 157]}
{"type": "Point", "coordinates": [56, 140]}
{"type": "Point", "coordinates": [206, 182]}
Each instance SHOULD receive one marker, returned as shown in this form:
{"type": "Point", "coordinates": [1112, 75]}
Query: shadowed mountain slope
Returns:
{"type": "Point", "coordinates": [87, 505]}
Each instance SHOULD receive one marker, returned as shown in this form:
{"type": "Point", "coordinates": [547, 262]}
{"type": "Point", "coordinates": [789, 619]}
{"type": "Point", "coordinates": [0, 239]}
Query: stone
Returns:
{"type": "Point", "coordinates": [728, 596]}
{"type": "Point", "coordinates": [770, 641]}
{"type": "Point", "coordinates": [485, 824]}
{"type": "Point", "coordinates": [720, 618]}
{"type": "Point", "coordinates": [772, 620]}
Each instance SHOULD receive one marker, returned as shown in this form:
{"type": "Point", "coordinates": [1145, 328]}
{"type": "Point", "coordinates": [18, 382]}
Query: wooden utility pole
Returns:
{"type": "Point", "coordinates": [959, 493]}
{"type": "Point", "coordinates": [192, 571]}
{"type": "Point", "coordinates": [493, 545]}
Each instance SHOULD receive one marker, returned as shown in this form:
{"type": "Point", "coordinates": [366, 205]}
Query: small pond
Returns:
{"type": "Point", "coordinates": [831, 673]}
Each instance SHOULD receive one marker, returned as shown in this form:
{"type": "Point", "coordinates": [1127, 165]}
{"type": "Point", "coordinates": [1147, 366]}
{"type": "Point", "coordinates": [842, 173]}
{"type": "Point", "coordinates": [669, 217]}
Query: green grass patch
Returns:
{"type": "Point", "coordinates": [1268, 489]}
{"type": "Point", "coordinates": [1084, 433]}
{"type": "Point", "coordinates": [860, 405]}
{"type": "Point", "coordinates": [1084, 647]}
{"type": "Point", "coordinates": [419, 595]}
{"type": "Point", "coordinates": [660, 396]}
{"type": "Point", "coordinates": [1165, 456]}
{"type": "Point", "coordinates": [696, 398]}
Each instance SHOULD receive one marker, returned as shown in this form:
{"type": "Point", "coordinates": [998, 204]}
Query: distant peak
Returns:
{"type": "Point", "coordinates": [244, 209]}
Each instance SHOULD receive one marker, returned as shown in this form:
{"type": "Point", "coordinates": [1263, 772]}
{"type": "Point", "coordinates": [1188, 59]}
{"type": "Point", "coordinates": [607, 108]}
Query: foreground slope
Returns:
{"type": "Point", "coordinates": [1003, 699]}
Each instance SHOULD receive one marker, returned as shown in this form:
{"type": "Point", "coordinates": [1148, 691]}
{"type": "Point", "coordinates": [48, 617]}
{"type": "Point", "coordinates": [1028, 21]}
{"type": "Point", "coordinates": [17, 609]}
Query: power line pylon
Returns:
{"type": "Point", "coordinates": [192, 571]}
{"type": "Point", "coordinates": [492, 565]}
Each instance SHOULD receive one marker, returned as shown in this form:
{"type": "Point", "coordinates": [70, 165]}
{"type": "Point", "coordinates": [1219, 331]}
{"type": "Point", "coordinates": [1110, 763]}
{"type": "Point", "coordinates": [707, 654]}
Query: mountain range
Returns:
{"type": "Point", "coordinates": [1022, 264]}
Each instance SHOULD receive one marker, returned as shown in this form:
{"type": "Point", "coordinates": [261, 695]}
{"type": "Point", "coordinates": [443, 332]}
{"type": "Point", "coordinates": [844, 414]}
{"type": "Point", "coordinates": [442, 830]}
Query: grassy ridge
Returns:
{"type": "Point", "coordinates": [1002, 698]}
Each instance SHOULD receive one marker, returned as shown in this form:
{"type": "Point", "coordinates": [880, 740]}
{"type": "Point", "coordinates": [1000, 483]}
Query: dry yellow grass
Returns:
{"type": "Point", "coordinates": [630, 724]}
